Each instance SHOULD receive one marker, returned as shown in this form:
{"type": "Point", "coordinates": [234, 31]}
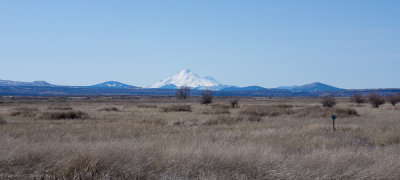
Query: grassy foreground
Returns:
{"type": "Point", "coordinates": [164, 138]}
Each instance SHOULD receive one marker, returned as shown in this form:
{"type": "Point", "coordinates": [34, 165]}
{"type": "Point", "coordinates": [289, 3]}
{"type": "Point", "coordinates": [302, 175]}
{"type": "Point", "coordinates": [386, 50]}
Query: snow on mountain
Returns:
{"type": "Point", "coordinates": [112, 84]}
{"type": "Point", "coordinates": [19, 83]}
{"type": "Point", "coordinates": [189, 79]}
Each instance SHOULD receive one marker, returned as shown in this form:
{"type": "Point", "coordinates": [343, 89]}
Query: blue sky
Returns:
{"type": "Point", "coordinates": [349, 44]}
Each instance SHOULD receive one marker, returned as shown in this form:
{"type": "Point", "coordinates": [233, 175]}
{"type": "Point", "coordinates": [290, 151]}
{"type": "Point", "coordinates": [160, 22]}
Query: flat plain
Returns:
{"type": "Point", "coordinates": [145, 137]}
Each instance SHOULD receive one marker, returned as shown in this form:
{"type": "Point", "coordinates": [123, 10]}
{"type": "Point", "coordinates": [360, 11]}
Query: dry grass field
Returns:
{"type": "Point", "coordinates": [165, 138]}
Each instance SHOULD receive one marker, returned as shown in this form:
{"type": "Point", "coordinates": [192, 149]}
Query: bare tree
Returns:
{"type": "Point", "coordinates": [376, 100]}
{"type": "Point", "coordinates": [234, 102]}
{"type": "Point", "coordinates": [206, 97]}
{"type": "Point", "coordinates": [328, 101]}
{"type": "Point", "coordinates": [357, 98]}
{"type": "Point", "coordinates": [183, 92]}
{"type": "Point", "coordinates": [393, 99]}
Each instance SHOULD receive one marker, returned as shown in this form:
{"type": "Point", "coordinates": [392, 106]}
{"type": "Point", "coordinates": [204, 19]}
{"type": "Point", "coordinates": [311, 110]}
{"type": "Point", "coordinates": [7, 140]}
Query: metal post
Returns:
{"type": "Point", "coordinates": [334, 125]}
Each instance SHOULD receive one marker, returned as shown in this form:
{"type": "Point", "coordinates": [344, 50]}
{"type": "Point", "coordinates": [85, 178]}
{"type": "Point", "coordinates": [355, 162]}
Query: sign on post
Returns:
{"type": "Point", "coordinates": [333, 119]}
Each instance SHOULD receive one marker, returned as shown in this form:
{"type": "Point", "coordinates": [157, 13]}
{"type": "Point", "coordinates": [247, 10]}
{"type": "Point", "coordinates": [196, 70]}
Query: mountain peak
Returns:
{"type": "Point", "coordinates": [185, 71]}
{"type": "Point", "coordinates": [315, 86]}
{"type": "Point", "coordinates": [19, 83]}
{"type": "Point", "coordinates": [112, 84]}
{"type": "Point", "coordinates": [188, 78]}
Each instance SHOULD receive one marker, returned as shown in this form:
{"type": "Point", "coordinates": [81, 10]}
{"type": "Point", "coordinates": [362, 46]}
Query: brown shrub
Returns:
{"type": "Point", "coordinates": [254, 118]}
{"type": "Point", "coordinates": [172, 108]}
{"type": "Point", "coordinates": [328, 101]}
{"type": "Point", "coordinates": [64, 115]}
{"type": "Point", "coordinates": [216, 111]}
{"type": "Point", "coordinates": [393, 99]}
{"type": "Point", "coordinates": [357, 98]}
{"type": "Point", "coordinates": [147, 106]}
{"type": "Point", "coordinates": [2, 121]}
{"type": "Point", "coordinates": [24, 112]}
{"type": "Point", "coordinates": [220, 106]}
{"type": "Point", "coordinates": [313, 111]}
{"type": "Point", "coordinates": [346, 112]}
{"type": "Point", "coordinates": [270, 110]}
{"type": "Point", "coordinates": [109, 109]}
{"type": "Point", "coordinates": [60, 108]}
{"type": "Point", "coordinates": [318, 112]}
{"type": "Point", "coordinates": [376, 100]}
{"type": "Point", "coordinates": [234, 102]}
{"type": "Point", "coordinates": [207, 97]}
{"type": "Point", "coordinates": [223, 119]}
{"type": "Point", "coordinates": [284, 105]}
{"type": "Point", "coordinates": [157, 121]}
{"type": "Point", "coordinates": [183, 92]}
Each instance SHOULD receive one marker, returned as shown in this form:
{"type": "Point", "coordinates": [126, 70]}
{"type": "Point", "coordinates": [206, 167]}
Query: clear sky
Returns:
{"type": "Point", "coordinates": [348, 44]}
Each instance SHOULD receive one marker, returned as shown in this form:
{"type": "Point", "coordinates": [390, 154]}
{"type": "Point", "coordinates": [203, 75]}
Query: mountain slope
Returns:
{"type": "Point", "coordinates": [111, 84]}
{"type": "Point", "coordinates": [248, 88]}
{"type": "Point", "coordinates": [19, 83]}
{"type": "Point", "coordinates": [189, 79]}
{"type": "Point", "coordinates": [317, 86]}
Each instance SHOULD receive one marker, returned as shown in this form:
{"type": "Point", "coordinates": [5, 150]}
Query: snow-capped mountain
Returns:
{"type": "Point", "coordinates": [19, 83]}
{"type": "Point", "coordinates": [111, 84]}
{"type": "Point", "coordinates": [189, 79]}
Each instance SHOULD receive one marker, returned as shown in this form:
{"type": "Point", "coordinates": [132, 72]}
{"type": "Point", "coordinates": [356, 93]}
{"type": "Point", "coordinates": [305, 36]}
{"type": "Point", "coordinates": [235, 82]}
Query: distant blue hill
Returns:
{"type": "Point", "coordinates": [313, 87]}
{"type": "Point", "coordinates": [168, 86]}
{"type": "Point", "coordinates": [248, 88]}
{"type": "Point", "coordinates": [111, 84]}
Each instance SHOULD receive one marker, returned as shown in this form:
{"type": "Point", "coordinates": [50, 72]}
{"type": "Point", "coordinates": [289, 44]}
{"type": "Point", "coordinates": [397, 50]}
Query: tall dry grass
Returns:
{"type": "Point", "coordinates": [262, 139]}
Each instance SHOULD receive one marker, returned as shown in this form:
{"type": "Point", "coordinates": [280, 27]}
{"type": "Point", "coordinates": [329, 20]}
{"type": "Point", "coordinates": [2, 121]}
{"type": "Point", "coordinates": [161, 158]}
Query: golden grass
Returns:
{"type": "Point", "coordinates": [297, 142]}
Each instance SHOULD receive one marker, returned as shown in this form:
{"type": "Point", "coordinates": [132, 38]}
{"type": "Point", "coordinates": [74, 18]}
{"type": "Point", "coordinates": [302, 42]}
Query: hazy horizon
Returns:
{"type": "Point", "coordinates": [352, 45]}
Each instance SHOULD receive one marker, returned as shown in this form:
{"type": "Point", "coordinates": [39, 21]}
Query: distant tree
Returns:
{"type": "Point", "coordinates": [328, 101]}
{"type": "Point", "coordinates": [357, 98]}
{"type": "Point", "coordinates": [206, 97]}
{"type": "Point", "coordinates": [393, 99]}
{"type": "Point", "coordinates": [234, 102]}
{"type": "Point", "coordinates": [376, 100]}
{"type": "Point", "coordinates": [183, 92]}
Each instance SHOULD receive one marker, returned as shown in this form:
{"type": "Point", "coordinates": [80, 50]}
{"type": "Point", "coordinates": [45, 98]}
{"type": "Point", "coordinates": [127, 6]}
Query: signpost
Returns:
{"type": "Point", "coordinates": [333, 118]}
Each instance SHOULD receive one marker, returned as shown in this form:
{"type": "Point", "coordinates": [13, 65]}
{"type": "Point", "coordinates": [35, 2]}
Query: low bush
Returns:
{"type": "Point", "coordinates": [207, 97]}
{"type": "Point", "coordinates": [2, 121]}
{"type": "Point", "coordinates": [147, 106]}
{"type": "Point", "coordinates": [176, 108]}
{"type": "Point", "coordinates": [216, 111]}
{"type": "Point", "coordinates": [346, 112]}
{"type": "Point", "coordinates": [313, 111]}
{"type": "Point", "coordinates": [270, 110]}
{"type": "Point", "coordinates": [284, 105]}
{"type": "Point", "coordinates": [24, 112]}
{"type": "Point", "coordinates": [318, 112]}
{"type": "Point", "coordinates": [357, 98]}
{"type": "Point", "coordinates": [60, 108]}
{"type": "Point", "coordinates": [64, 115]}
{"type": "Point", "coordinates": [220, 106]}
{"type": "Point", "coordinates": [109, 109]}
{"type": "Point", "coordinates": [376, 100]}
{"type": "Point", "coordinates": [393, 99]}
{"type": "Point", "coordinates": [234, 102]}
{"type": "Point", "coordinates": [223, 119]}
{"type": "Point", "coordinates": [157, 121]}
{"type": "Point", "coordinates": [328, 101]}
